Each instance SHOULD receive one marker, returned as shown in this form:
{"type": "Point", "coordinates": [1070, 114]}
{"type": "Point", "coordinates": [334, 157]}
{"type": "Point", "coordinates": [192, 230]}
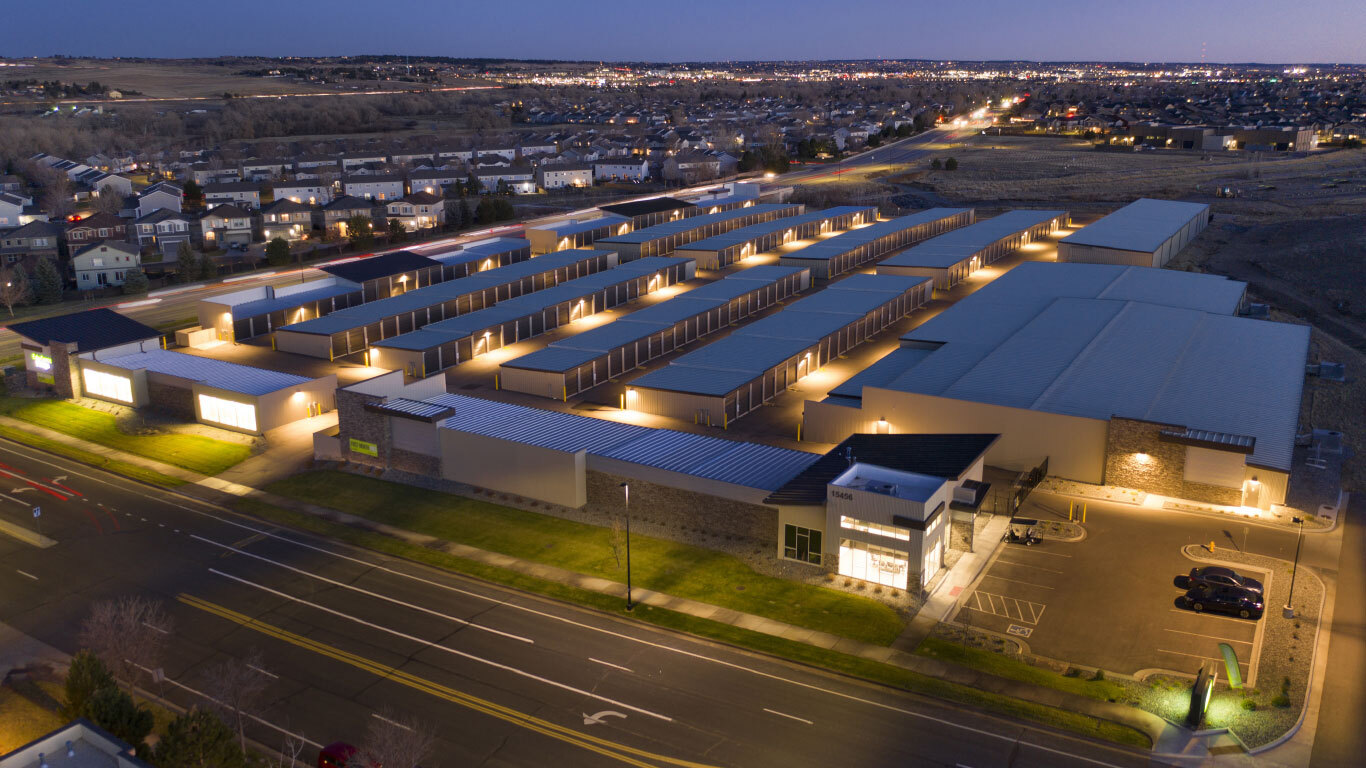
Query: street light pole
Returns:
{"type": "Point", "coordinates": [1289, 604]}
{"type": "Point", "coordinates": [626, 495]}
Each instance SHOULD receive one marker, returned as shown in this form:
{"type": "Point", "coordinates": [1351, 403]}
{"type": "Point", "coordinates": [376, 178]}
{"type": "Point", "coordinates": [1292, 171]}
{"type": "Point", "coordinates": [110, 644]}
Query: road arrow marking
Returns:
{"type": "Point", "coordinates": [597, 719]}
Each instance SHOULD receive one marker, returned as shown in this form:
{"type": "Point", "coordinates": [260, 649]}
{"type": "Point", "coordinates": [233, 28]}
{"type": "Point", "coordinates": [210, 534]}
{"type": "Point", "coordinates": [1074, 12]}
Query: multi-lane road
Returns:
{"type": "Point", "coordinates": [505, 679]}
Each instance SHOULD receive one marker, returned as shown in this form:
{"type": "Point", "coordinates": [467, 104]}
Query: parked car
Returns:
{"type": "Point", "coordinates": [1216, 576]}
{"type": "Point", "coordinates": [1239, 602]}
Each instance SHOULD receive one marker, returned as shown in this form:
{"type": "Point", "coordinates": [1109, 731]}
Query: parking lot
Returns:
{"type": "Point", "coordinates": [1108, 601]}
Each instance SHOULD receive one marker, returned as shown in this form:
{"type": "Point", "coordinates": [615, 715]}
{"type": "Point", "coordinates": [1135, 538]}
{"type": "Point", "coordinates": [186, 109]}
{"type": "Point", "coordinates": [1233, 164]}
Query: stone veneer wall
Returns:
{"type": "Point", "coordinates": [354, 421]}
{"type": "Point", "coordinates": [1164, 471]}
{"type": "Point", "coordinates": [177, 401]}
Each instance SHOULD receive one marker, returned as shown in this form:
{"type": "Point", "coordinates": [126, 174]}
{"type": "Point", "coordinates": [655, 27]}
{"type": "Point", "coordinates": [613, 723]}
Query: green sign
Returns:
{"type": "Point", "coordinates": [41, 362]}
{"type": "Point", "coordinates": [368, 449]}
{"type": "Point", "coordinates": [1235, 675]}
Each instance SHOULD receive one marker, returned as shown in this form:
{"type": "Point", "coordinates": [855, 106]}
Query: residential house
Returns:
{"type": "Point", "coordinates": [30, 242]}
{"type": "Point", "coordinates": [286, 218]}
{"type": "Point", "coordinates": [154, 198]}
{"type": "Point", "coordinates": [450, 153]}
{"type": "Point", "coordinates": [336, 213]}
{"type": "Point", "coordinates": [104, 264]}
{"type": "Point", "coordinates": [564, 175]}
{"type": "Point", "coordinates": [411, 158]}
{"type": "Point", "coordinates": [101, 183]}
{"type": "Point", "coordinates": [264, 170]}
{"type": "Point", "coordinates": [163, 230]}
{"type": "Point", "coordinates": [11, 183]}
{"type": "Point", "coordinates": [435, 181]}
{"type": "Point", "coordinates": [11, 208]}
{"type": "Point", "coordinates": [353, 161]}
{"type": "Point", "coordinates": [518, 181]}
{"type": "Point", "coordinates": [97, 226]}
{"type": "Point", "coordinates": [377, 186]}
{"type": "Point", "coordinates": [328, 162]}
{"type": "Point", "coordinates": [621, 169]}
{"type": "Point", "coordinates": [302, 192]}
{"type": "Point", "coordinates": [225, 225]}
{"type": "Point", "coordinates": [691, 167]}
{"type": "Point", "coordinates": [420, 210]}
{"type": "Point", "coordinates": [241, 193]}
{"type": "Point", "coordinates": [203, 173]}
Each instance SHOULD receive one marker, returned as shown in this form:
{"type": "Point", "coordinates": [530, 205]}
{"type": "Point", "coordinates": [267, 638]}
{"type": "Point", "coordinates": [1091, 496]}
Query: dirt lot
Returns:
{"type": "Point", "coordinates": [152, 79]}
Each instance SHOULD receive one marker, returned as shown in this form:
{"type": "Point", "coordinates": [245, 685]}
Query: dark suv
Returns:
{"type": "Point", "coordinates": [1215, 576]}
{"type": "Point", "coordinates": [1224, 599]}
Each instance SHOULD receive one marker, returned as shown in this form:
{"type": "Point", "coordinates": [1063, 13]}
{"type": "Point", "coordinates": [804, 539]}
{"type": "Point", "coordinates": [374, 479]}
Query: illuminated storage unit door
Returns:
{"type": "Point", "coordinates": [229, 413]}
{"type": "Point", "coordinates": [873, 563]}
{"type": "Point", "coordinates": [108, 385]}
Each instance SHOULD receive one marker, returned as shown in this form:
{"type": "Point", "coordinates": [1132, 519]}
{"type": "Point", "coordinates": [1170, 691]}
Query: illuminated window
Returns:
{"type": "Point", "coordinates": [873, 563]}
{"type": "Point", "coordinates": [882, 530]}
{"type": "Point", "coordinates": [229, 413]}
{"type": "Point", "coordinates": [802, 544]}
{"type": "Point", "coordinates": [108, 385]}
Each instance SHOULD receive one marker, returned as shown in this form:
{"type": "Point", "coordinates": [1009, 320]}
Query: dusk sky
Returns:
{"type": "Point", "coordinates": [1319, 31]}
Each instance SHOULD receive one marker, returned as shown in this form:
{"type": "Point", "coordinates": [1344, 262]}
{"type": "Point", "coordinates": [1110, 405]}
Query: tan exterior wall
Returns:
{"type": "Point", "coordinates": [1136, 457]}
{"type": "Point", "coordinates": [311, 344]}
{"type": "Point", "coordinates": [553, 477]}
{"type": "Point", "coordinates": [539, 383]}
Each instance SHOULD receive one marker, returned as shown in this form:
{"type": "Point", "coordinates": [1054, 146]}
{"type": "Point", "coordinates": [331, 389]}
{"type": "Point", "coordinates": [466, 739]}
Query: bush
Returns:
{"type": "Point", "coordinates": [1072, 672]}
{"type": "Point", "coordinates": [935, 164]}
{"type": "Point", "coordinates": [198, 738]}
{"type": "Point", "coordinates": [277, 252]}
{"type": "Point", "coordinates": [951, 164]}
{"type": "Point", "coordinates": [87, 676]}
{"type": "Point", "coordinates": [114, 710]}
{"type": "Point", "coordinates": [134, 281]}
{"type": "Point", "coordinates": [1281, 701]}
{"type": "Point", "coordinates": [1249, 705]}
{"type": "Point", "coordinates": [1099, 675]}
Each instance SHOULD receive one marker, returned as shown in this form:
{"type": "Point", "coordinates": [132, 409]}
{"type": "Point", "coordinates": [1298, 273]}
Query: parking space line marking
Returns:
{"type": "Point", "coordinates": [1039, 552]}
{"type": "Point", "coordinates": [1039, 615]}
{"type": "Point", "coordinates": [1211, 637]}
{"type": "Point", "coordinates": [1035, 609]}
{"type": "Point", "coordinates": [1018, 608]}
{"type": "Point", "coordinates": [1210, 615]}
{"type": "Point", "coordinates": [1198, 656]}
{"type": "Point", "coordinates": [1017, 581]}
{"type": "Point", "coordinates": [1027, 565]}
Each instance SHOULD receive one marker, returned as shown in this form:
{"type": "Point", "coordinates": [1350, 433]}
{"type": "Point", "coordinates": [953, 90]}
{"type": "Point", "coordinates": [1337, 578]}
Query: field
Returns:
{"type": "Point", "coordinates": [160, 80]}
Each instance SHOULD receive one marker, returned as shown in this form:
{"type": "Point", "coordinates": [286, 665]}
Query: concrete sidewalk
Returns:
{"type": "Point", "coordinates": [941, 602]}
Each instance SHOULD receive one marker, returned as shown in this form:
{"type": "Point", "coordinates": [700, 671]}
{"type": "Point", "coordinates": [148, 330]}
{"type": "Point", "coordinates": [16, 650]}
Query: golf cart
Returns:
{"type": "Point", "coordinates": [1023, 531]}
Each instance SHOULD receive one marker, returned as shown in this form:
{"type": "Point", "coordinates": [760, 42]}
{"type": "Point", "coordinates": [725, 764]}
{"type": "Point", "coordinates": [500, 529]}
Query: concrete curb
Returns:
{"type": "Point", "coordinates": [25, 535]}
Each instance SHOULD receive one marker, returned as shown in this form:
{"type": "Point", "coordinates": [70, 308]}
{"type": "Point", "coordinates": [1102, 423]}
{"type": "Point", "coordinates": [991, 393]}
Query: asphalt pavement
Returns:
{"type": "Point", "coordinates": [1340, 741]}
{"type": "Point", "coordinates": [505, 678]}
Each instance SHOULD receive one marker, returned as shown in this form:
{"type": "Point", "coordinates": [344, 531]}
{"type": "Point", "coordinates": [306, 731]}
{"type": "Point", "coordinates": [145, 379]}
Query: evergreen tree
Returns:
{"type": "Point", "coordinates": [277, 252]}
{"type": "Point", "coordinates": [113, 709]}
{"type": "Point", "coordinates": [208, 268]}
{"type": "Point", "coordinates": [135, 281]}
{"type": "Point", "coordinates": [935, 164]}
{"type": "Point", "coordinates": [186, 263]}
{"type": "Point", "coordinates": [951, 164]}
{"type": "Point", "coordinates": [360, 231]}
{"type": "Point", "coordinates": [47, 282]}
{"type": "Point", "coordinates": [193, 195]}
{"type": "Point", "coordinates": [86, 677]}
{"type": "Point", "coordinates": [466, 214]}
{"type": "Point", "coordinates": [397, 233]}
{"type": "Point", "coordinates": [198, 739]}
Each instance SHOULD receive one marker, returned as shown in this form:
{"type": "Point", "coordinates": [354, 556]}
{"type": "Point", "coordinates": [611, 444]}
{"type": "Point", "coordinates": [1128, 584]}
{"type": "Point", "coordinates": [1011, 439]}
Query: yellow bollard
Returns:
{"type": "Point", "coordinates": [1070, 505]}
{"type": "Point", "coordinates": [1211, 546]}
{"type": "Point", "coordinates": [1083, 512]}
{"type": "Point", "coordinates": [799, 431]}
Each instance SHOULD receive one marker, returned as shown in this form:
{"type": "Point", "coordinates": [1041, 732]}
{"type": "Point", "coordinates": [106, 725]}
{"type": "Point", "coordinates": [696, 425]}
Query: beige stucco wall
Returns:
{"type": "Point", "coordinates": [554, 477]}
{"type": "Point", "coordinates": [311, 344]}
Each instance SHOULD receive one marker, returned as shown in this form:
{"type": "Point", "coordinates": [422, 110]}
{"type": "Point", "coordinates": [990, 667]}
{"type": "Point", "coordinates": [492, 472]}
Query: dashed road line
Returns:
{"type": "Point", "coordinates": [26, 573]}
{"type": "Point", "coordinates": [394, 723]}
{"type": "Point", "coordinates": [1197, 656]}
{"type": "Point", "coordinates": [789, 717]}
{"type": "Point", "coordinates": [1017, 581]}
{"type": "Point", "coordinates": [609, 664]}
{"type": "Point", "coordinates": [1027, 565]}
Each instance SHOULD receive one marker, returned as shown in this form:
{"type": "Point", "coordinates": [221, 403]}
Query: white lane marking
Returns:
{"type": "Point", "coordinates": [155, 628]}
{"type": "Point", "coordinates": [1209, 637]}
{"type": "Point", "coordinates": [26, 573]}
{"type": "Point", "coordinates": [1033, 551]}
{"type": "Point", "coordinates": [1035, 609]}
{"type": "Point", "coordinates": [207, 697]}
{"type": "Point", "coordinates": [1016, 581]}
{"type": "Point", "coordinates": [365, 592]}
{"type": "Point", "coordinates": [269, 674]}
{"type": "Point", "coordinates": [789, 717]}
{"type": "Point", "coordinates": [161, 525]}
{"type": "Point", "coordinates": [1197, 656]}
{"type": "Point", "coordinates": [1027, 565]}
{"type": "Point", "coordinates": [440, 647]}
{"type": "Point", "coordinates": [384, 719]}
{"type": "Point", "coordinates": [572, 622]}
{"type": "Point", "coordinates": [608, 664]}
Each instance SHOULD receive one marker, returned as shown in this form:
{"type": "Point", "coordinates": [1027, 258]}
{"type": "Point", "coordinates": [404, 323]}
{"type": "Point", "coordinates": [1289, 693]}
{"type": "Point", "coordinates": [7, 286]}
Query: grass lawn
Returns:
{"type": "Point", "coordinates": [22, 720]}
{"type": "Point", "coordinates": [673, 568]}
{"type": "Point", "coordinates": [1003, 666]}
{"type": "Point", "coordinates": [885, 674]}
{"type": "Point", "coordinates": [193, 452]}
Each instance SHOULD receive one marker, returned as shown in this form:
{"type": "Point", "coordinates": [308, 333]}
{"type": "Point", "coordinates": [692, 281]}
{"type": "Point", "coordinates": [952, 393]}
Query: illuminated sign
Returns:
{"type": "Point", "coordinates": [362, 447]}
{"type": "Point", "coordinates": [41, 362]}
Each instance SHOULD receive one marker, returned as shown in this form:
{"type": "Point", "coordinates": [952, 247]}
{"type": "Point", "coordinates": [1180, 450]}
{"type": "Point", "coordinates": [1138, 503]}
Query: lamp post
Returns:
{"type": "Point", "coordinates": [626, 496]}
{"type": "Point", "coordinates": [1289, 604]}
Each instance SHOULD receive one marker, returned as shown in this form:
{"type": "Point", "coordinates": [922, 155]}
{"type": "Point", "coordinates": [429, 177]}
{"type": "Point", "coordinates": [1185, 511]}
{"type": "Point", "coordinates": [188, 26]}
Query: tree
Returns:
{"type": "Point", "coordinates": [360, 231]}
{"type": "Point", "coordinates": [455, 214]}
{"type": "Point", "coordinates": [47, 282]}
{"type": "Point", "coordinates": [935, 164]}
{"type": "Point", "coordinates": [874, 141]}
{"type": "Point", "coordinates": [135, 281]}
{"type": "Point", "coordinates": [208, 268]}
{"type": "Point", "coordinates": [397, 233]}
{"type": "Point", "coordinates": [236, 687]}
{"type": "Point", "coordinates": [187, 266]}
{"type": "Point", "coordinates": [192, 195]}
{"type": "Point", "coordinates": [57, 198]}
{"type": "Point", "coordinates": [466, 214]}
{"type": "Point", "coordinates": [84, 679]}
{"type": "Point", "coordinates": [16, 290]}
{"type": "Point", "coordinates": [473, 184]}
{"type": "Point", "coordinates": [277, 252]}
{"type": "Point", "coordinates": [394, 741]}
{"type": "Point", "coordinates": [951, 164]}
{"type": "Point", "coordinates": [127, 634]}
{"type": "Point", "coordinates": [109, 201]}
{"type": "Point", "coordinates": [116, 712]}
{"type": "Point", "coordinates": [198, 739]}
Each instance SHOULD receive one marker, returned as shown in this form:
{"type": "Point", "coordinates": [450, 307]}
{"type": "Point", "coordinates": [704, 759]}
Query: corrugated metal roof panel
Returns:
{"type": "Point", "coordinates": [699, 381]}
{"type": "Point", "coordinates": [754, 231]}
{"type": "Point", "coordinates": [952, 247]}
{"type": "Point", "coordinates": [215, 373]}
{"type": "Point", "coordinates": [848, 241]}
{"type": "Point", "coordinates": [1143, 225]}
{"type": "Point", "coordinates": [693, 222]}
{"type": "Point", "coordinates": [259, 307]}
{"type": "Point", "coordinates": [567, 227]}
{"type": "Point", "coordinates": [881, 373]}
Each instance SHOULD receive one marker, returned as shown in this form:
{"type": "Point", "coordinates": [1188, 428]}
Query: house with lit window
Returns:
{"type": "Point", "coordinates": [378, 186]}
{"type": "Point", "coordinates": [516, 180]}
{"type": "Point", "coordinates": [435, 181]}
{"type": "Point", "coordinates": [339, 211]}
{"type": "Point", "coordinates": [98, 226]}
{"type": "Point", "coordinates": [104, 264]}
{"type": "Point", "coordinates": [286, 218]}
{"type": "Point", "coordinates": [164, 230]}
{"type": "Point", "coordinates": [633, 169]}
{"type": "Point", "coordinates": [310, 192]}
{"type": "Point", "coordinates": [420, 210]}
{"type": "Point", "coordinates": [225, 225]}
{"type": "Point", "coordinates": [563, 175]}
{"type": "Point", "coordinates": [244, 194]}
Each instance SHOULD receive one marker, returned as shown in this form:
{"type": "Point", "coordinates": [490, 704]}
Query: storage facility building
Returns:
{"type": "Point", "coordinates": [387, 274]}
{"type": "Point", "coordinates": [465, 260]}
{"type": "Point", "coordinates": [236, 397]}
{"type": "Point", "coordinates": [253, 312]}
{"type": "Point", "coordinates": [738, 244]}
{"type": "Point", "coordinates": [949, 258]}
{"type": "Point", "coordinates": [353, 330]}
{"type": "Point", "coordinates": [662, 239]}
{"type": "Point", "coordinates": [731, 377]}
{"type": "Point", "coordinates": [443, 344]}
{"type": "Point", "coordinates": [570, 366]}
{"type": "Point", "coordinates": [1127, 376]}
{"type": "Point", "coordinates": [647, 213]}
{"type": "Point", "coordinates": [1144, 233]}
{"type": "Point", "coordinates": [573, 233]}
{"type": "Point", "coordinates": [51, 345]}
{"type": "Point", "coordinates": [850, 250]}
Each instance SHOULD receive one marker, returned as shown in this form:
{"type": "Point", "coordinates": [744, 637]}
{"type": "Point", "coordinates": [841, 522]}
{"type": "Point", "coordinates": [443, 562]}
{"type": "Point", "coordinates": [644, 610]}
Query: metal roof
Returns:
{"type": "Point", "coordinates": [962, 244]}
{"type": "Point", "coordinates": [942, 455]}
{"type": "Point", "coordinates": [574, 227]}
{"type": "Point", "coordinates": [383, 265]}
{"type": "Point", "coordinates": [1143, 225]}
{"type": "Point", "coordinates": [412, 409]}
{"type": "Point", "coordinates": [693, 222]}
{"type": "Point", "coordinates": [755, 231]}
{"type": "Point", "coordinates": [257, 307]}
{"type": "Point", "coordinates": [712, 382]}
{"type": "Point", "coordinates": [879, 374]}
{"type": "Point", "coordinates": [215, 373]}
{"type": "Point", "coordinates": [1023, 342]}
{"type": "Point", "coordinates": [766, 272]}
{"type": "Point", "coordinates": [92, 329]}
{"type": "Point", "coordinates": [643, 207]}
{"type": "Point", "coordinates": [429, 296]}
{"type": "Point", "coordinates": [847, 241]}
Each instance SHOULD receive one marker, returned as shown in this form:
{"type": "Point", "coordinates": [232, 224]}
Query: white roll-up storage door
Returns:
{"type": "Point", "coordinates": [1222, 468]}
